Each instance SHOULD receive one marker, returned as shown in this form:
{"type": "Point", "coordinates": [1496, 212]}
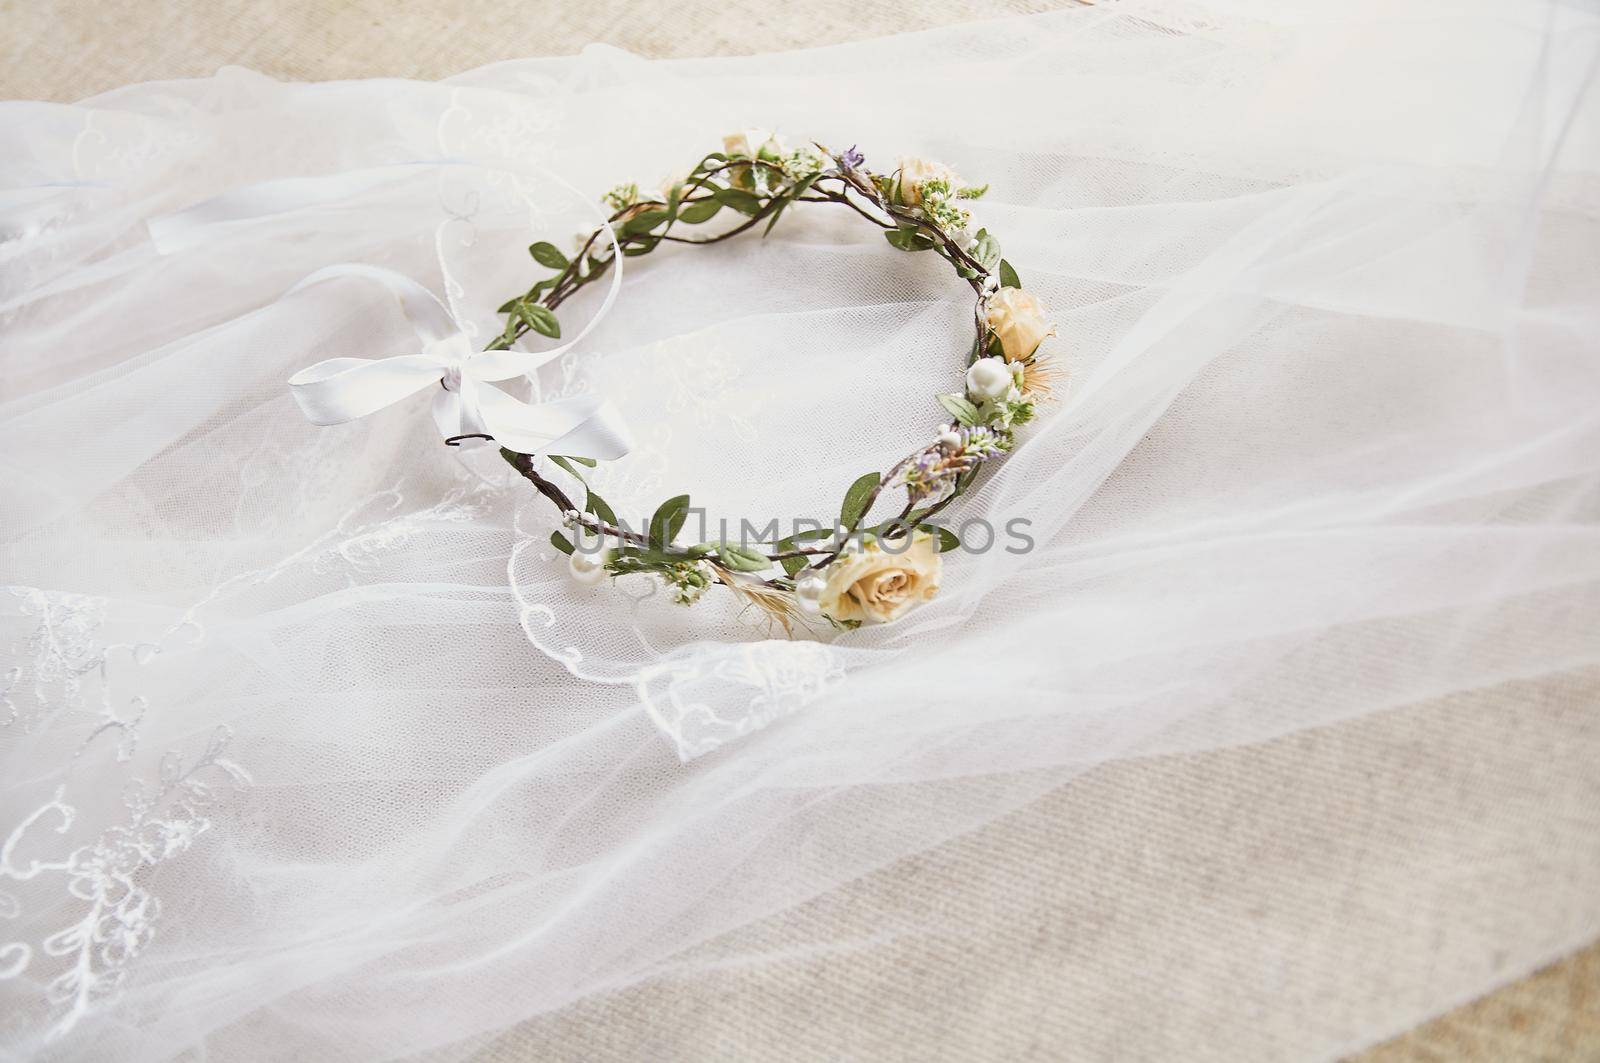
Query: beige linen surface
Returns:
{"type": "Point", "coordinates": [1435, 804]}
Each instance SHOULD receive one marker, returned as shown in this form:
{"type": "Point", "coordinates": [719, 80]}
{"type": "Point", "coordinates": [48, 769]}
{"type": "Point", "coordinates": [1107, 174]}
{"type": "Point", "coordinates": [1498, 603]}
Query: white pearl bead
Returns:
{"type": "Point", "coordinates": [587, 569]}
{"type": "Point", "coordinates": [949, 439]}
{"type": "Point", "coordinates": [809, 606]}
{"type": "Point", "coordinates": [809, 588]}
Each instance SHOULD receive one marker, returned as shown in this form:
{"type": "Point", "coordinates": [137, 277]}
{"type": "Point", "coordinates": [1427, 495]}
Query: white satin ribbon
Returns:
{"type": "Point", "coordinates": [467, 404]}
{"type": "Point", "coordinates": [346, 389]}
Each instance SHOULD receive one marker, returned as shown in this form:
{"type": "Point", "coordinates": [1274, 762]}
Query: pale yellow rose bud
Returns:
{"type": "Point", "coordinates": [914, 173]}
{"type": "Point", "coordinates": [753, 144]}
{"type": "Point", "coordinates": [877, 586]}
{"type": "Point", "coordinates": [673, 182]}
{"type": "Point", "coordinates": [1019, 320]}
{"type": "Point", "coordinates": [750, 144]}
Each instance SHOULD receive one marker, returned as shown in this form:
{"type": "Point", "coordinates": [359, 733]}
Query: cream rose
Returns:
{"type": "Point", "coordinates": [877, 586]}
{"type": "Point", "coordinates": [753, 144]}
{"type": "Point", "coordinates": [1019, 320]}
{"type": "Point", "coordinates": [914, 173]}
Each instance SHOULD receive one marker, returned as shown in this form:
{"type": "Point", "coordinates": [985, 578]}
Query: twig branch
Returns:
{"type": "Point", "coordinates": [852, 185]}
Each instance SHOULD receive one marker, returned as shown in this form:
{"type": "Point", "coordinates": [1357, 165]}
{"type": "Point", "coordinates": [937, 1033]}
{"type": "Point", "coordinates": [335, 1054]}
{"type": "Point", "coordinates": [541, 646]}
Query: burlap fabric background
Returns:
{"type": "Point", "coordinates": [1447, 807]}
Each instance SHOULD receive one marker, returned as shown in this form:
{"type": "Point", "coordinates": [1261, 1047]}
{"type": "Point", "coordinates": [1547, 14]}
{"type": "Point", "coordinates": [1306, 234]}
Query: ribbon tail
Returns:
{"type": "Point", "coordinates": [583, 426]}
{"type": "Point", "coordinates": [603, 436]}
{"type": "Point", "coordinates": [344, 389]}
{"type": "Point", "coordinates": [446, 411]}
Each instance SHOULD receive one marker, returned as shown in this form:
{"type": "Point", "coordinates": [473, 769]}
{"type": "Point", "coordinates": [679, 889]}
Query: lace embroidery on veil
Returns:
{"type": "Point", "coordinates": [70, 668]}
{"type": "Point", "coordinates": [100, 858]}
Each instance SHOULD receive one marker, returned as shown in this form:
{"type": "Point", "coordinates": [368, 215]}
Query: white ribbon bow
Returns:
{"type": "Point", "coordinates": [466, 405]}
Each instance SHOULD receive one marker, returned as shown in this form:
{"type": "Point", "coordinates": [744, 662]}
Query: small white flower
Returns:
{"type": "Point", "coordinates": [621, 196]}
{"type": "Point", "coordinates": [804, 161]}
{"type": "Point", "coordinates": [989, 379]}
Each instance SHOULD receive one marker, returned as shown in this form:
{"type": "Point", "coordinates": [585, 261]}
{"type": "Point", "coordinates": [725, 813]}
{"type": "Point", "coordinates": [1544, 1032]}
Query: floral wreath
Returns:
{"type": "Point", "coordinates": [846, 574]}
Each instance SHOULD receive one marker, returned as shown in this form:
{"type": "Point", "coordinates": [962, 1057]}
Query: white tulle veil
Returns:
{"type": "Point", "coordinates": [309, 745]}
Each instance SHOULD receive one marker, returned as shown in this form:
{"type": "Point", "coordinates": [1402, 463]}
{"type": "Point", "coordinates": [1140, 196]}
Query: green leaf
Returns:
{"type": "Point", "coordinates": [668, 520]}
{"type": "Point", "coordinates": [531, 295]}
{"type": "Point", "coordinates": [948, 540]}
{"type": "Point", "coordinates": [625, 560]}
{"type": "Point", "coordinates": [791, 565]}
{"type": "Point", "coordinates": [961, 409]}
{"type": "Point", "coordinates": [700, 213]}
{"type": "Point", "coordinates": [564, 464]}
{"type": "Point", "coordinates": [986, 250]}
{"type": "Point", "coordinates": [1008, 276]}
{"type": "Point", "coordinates": [740, 200]}
{"type": "Point", "coordinates": [540, 319]}
{"type": "Point", "coordinates": [548, 255]}
{"type": "Point", "coordinates": [644, 248]}
{"type": "Point", "coordinates": [789, 197]}
{"type": "Point", "coordinates": [643, 223]}
{"type": "Point", "coordinates": [588, 462]}
{"type": "Point", "coordinates": [780, 203]}
{"type": "Point", "coordinates": [909, 239]}
{"type": "Point", "coordinates": [742, 559]}
{"type": "Point", "coordinates": [560, 542]}
{"type": "Point", "coordinates": [597, 505]}
{"type": "Point", "coordinates": [856, 499]}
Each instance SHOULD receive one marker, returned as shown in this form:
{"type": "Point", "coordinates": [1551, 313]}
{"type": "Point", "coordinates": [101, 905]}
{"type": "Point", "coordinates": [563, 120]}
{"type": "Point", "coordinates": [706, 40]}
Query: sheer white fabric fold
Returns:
{"type": "Point", "coordinates": [308, 744]}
